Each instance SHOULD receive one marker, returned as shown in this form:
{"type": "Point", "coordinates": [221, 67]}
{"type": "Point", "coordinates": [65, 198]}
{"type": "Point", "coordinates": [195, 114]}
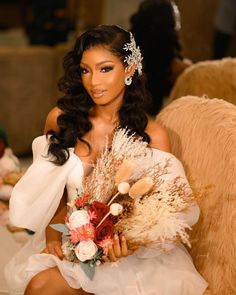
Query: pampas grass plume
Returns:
{"type": "Point", "coordinates": [125, 171]}
{"type": "Point", "coordinates": [141, 187]}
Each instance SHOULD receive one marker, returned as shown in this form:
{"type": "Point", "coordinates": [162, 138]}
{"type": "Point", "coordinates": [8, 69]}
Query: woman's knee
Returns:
{"type": "Point", "coordinates": [50, 281]}
{"type": "Point", "coordinates": [38, 282]}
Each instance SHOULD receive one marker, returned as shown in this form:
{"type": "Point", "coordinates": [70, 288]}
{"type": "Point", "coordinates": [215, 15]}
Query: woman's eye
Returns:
{"type": "Point", "coordinates": [106, 69]}
{"type": "Point", "coordinates": [83, 71]}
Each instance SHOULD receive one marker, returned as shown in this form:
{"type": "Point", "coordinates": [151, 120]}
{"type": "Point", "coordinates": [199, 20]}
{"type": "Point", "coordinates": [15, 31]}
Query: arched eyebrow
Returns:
{"type": "Point", "coordinates": [100, 63]}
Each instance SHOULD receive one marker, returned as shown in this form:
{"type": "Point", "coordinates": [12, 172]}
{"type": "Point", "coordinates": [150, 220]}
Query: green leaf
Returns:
{"type": "Point", "coordinates": [61, 228]}
{"type": "Point", "coordinates": [88, 270]}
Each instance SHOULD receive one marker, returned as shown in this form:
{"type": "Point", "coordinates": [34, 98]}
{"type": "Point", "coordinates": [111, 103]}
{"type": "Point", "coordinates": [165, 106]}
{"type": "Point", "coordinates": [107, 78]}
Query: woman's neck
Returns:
{"type": "Point", "coordinates": [107, 115]}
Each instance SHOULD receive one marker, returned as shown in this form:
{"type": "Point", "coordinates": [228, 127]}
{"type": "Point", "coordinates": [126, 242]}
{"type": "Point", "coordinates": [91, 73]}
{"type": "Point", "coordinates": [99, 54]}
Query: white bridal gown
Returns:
{"type": "Point", "coordinates": [147, 272]}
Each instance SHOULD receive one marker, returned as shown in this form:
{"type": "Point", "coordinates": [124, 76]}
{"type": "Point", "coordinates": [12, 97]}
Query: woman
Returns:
{"type": "Point", "coordinates": [155, 27]}
{"type": "Point", "coordinates": [104, 88]}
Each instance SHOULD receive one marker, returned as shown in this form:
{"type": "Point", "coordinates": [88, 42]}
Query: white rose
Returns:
{"type": "Point", "coordinates": [116, 209]}
{"type": "Point", "coordinates": [86, 250]}
{"type": "Point", "coordinates": [78, 218]}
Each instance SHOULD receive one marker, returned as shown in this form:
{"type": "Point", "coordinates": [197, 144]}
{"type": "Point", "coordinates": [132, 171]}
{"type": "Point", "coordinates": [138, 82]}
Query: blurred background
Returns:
{"type": "Point", "coordinates": [36, 34]}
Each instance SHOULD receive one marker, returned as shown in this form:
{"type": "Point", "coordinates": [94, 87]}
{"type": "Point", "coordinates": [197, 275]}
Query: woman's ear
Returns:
{"type": "Point", "coordinates": [129, 70]}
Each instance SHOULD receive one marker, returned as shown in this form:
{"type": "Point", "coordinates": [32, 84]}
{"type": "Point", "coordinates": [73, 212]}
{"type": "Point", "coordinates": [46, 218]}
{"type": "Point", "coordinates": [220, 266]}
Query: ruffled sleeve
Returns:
{"type": "Point", "coordinates": [176, 169]}
{"type": "Point", "coordinates": [189, 216]}
{"type": "Point", "coordinates": [37, 195]}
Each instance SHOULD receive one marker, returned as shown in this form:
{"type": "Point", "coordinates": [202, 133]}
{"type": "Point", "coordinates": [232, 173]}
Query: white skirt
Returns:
{"type": "Point", "coordinates": [171, 273]}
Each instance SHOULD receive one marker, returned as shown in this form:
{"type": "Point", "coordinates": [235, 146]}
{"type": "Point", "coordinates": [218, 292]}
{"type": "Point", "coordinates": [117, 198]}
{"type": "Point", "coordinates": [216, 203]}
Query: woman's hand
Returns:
{"type": "Point", "coordinates": [54, 248]}
{"type": "Point", "coordinates": [118, 249]}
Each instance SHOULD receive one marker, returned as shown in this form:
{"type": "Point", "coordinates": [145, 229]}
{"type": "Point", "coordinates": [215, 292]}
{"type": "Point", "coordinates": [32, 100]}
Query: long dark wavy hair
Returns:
{"type": "Point", "coordinates": [153, 27]}
{"type": "Point", "coordinates": [74, 121]}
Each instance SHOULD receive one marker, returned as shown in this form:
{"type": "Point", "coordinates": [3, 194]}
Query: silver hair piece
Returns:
{"type": "Point", "coordinates": [135, 58]}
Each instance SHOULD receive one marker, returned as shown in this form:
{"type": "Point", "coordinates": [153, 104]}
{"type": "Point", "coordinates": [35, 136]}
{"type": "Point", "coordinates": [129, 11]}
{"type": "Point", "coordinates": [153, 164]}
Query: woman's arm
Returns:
{"type": "Point", "coordinates": [160, 140]}
{"type": "Point", "coordinates": [53, 237]}
{"type": "Point", "coordinates": [159, 136]}
{"type": "Point", "coordinates": [51, 120]}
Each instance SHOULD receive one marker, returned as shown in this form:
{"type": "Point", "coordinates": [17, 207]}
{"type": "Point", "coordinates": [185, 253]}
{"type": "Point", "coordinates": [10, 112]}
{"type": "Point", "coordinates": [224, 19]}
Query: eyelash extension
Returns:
{"type": "Point", "coordinates": [107, 69]}
{"type": "Point", "coordinates": [104, 70]}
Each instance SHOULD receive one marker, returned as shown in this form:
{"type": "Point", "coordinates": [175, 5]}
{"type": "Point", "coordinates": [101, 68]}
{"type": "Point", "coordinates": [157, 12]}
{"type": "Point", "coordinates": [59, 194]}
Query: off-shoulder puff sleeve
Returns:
{"type": "Point", "coordinates": [176, 169]}
{"type": "Point", "coordinates": [36, 196]}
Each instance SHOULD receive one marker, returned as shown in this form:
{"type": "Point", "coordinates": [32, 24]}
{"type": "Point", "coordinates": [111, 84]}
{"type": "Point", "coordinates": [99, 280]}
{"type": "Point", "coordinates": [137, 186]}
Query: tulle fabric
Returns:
{"type": "Point", "coordinates": [148, 271]}
{"type": "Point", "coordinates": [171, 273]}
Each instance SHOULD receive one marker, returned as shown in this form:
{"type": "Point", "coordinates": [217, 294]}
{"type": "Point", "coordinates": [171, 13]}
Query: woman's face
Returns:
{"type": "Point", "coordinates": [103, 76]}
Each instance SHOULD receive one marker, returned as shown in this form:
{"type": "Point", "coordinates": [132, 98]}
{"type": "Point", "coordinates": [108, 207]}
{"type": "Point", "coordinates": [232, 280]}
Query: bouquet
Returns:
{"type": "Point", "coordinates": [128, 192]}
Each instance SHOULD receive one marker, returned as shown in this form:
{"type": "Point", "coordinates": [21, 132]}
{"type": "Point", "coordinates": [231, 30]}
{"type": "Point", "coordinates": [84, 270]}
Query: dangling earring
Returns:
{"type": "Point", "coordinates": [128, 80]}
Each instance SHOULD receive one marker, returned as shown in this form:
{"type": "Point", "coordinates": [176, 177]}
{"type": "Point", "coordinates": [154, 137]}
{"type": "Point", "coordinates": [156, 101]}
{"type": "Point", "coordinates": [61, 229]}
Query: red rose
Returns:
{"type": "Point", "coordinates": [104, 230]}
{"type": "Point", "coordinates": [97, 211]}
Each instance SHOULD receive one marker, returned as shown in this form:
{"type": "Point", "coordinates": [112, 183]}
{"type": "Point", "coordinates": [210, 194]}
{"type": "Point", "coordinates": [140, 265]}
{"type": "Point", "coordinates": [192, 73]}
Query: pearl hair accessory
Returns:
{"type": "Point", "coordinates": [135, 58]}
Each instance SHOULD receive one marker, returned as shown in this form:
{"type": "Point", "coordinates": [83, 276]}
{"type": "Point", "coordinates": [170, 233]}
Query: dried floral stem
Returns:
{"type": "Point", "coordinates": [113, 198]}
{"type": "Point", "coordinates": [104, 218]}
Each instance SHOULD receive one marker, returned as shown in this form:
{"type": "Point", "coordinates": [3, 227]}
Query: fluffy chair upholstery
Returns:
{"type": "Point", "coordinates": [215, 78]}
{"type": "Point", "coordinates": [203, 136]}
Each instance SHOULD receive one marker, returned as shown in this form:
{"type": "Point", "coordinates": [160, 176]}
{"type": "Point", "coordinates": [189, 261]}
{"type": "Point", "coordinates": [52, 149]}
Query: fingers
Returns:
{"type": "Point", "coordinates": [119, 249]}
{"type": "Point", "coordinates": [111, 254]}
{"type": "Point", "coordinates": [117, 246]}
{"type": "Point", "coordinates": [58, 251]}
{"type": "Point", "coordinates": [124, 246]}
{"type": "Point", "coordinates": [114, 251]}
{"type": "Point", "coordinates": [54, 248]}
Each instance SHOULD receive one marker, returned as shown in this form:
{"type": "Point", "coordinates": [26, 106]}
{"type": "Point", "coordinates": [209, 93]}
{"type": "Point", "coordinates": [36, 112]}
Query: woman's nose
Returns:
{"type": "Point", "coordinates": [94, 78]}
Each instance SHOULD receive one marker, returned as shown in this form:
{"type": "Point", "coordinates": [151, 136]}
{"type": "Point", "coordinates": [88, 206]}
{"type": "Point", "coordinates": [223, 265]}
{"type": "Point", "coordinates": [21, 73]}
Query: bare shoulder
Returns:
{"type": "Point", "coordinates": [51, 120]}
{"type": "Point", "coordinates": [159, 136]}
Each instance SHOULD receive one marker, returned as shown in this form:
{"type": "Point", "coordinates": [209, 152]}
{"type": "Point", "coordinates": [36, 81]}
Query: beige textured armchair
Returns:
{"type": "Point", "coordinates": [203, 136]}
{"type": "Point", "coordinates": [212, 78]}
